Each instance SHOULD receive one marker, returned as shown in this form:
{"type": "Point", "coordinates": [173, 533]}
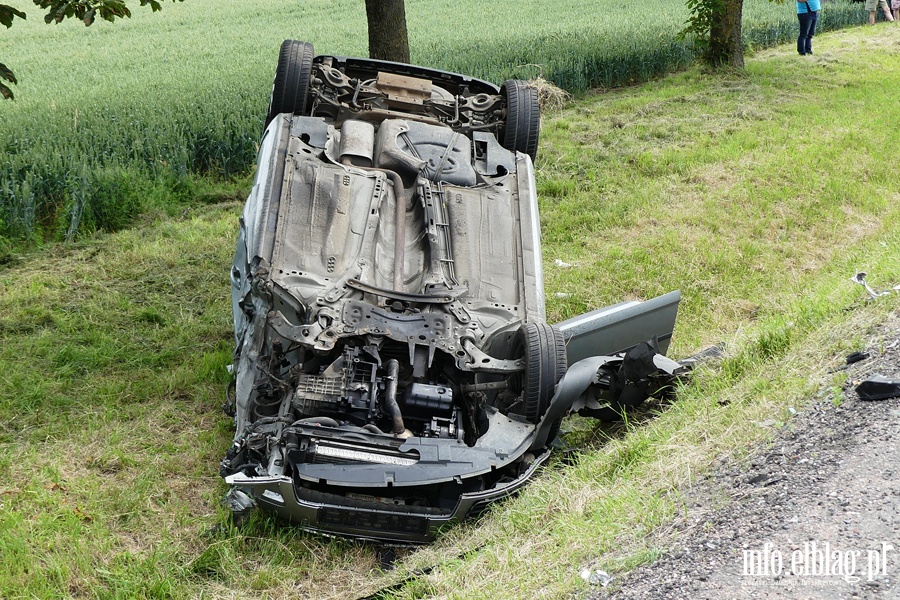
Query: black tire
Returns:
{"type": "Point", "coordinates": [607, 414]}
{"type": "Point", "coordinates": [291, 85]}
{"type": "Point", "coordinates": [523, 118]}
{"type": "Point", "coordinates": [544, 350]}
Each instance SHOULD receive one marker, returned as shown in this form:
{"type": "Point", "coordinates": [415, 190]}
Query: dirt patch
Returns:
{"type": "Point", "coordinates": [813, 514]}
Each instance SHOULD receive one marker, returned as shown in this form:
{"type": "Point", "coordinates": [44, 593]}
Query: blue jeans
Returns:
{"type": "Point", "coordinates": [807, 29]}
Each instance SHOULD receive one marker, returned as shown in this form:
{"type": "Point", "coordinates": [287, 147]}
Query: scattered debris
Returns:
{"type": "Point", "coordinates": [596, 577]}
{"type": "Point", "coordinates": [856, 357]}
{"type": "Point", "coordinates": [630, 378]}
{"type": "Point", "coordinates": [860, 278]}
{"type": "Point", "coordinates": [713, 353]}
{"type": "Point", "coordinates": [562, 295]}
{"type": "Point", "coordinates": [387, 557]}
{"type": "Point", "coordinates": [878, 387]}
{"type": "Point", "coordinates": [562, 264]}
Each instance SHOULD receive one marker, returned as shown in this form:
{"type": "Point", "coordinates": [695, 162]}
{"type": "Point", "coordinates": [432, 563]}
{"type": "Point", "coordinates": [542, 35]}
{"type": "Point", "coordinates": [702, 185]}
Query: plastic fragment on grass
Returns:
{"type": "Point", "coordinates": [562, 264]}
{"type": "Point", "coordinates": [878, 387]}
{"type": "Point", "coordinates": [712, 353]}
{"type": "Point", "coordinates": [596, 577]}
{"type": "Point", "coordinates": [860, 278]}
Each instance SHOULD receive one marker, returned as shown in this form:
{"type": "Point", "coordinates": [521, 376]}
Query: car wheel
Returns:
{"type": "Point", "coordinates": [523, 117]}
{"type": "Point", "coordinates": [291, 85]}
{"type": "Point", "coordinates": [544, 350]}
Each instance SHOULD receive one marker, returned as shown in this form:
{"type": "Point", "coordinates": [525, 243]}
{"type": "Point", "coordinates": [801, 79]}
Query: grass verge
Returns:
{"type": "Point", "coordinates": [758, 195]}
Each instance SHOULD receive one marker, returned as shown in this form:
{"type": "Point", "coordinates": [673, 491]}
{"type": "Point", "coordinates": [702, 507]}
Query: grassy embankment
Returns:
{"type": "Point", "coordinates": [757, 195]}
{"type": "Point", "coordinates": [119, 119]}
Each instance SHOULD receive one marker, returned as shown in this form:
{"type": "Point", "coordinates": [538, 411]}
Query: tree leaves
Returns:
{"type": "Point", "coordinates": [7, 13]}
{"type": "Point", "coordinates": [87, 10]}
{"type": "Point", "coordinates": [84, 10]}
{"type": "Point", "coordinates": [154, 5]}
{"type": "Point", "coordinates": [8, 75]}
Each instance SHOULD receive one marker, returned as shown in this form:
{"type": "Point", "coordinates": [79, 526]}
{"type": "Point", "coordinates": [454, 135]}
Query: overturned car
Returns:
{"type": "Point", "coordinates": [394, 370]}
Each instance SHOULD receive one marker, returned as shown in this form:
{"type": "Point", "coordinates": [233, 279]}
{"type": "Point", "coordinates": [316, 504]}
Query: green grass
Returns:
{"type": "Point", "coordinates": [110, 120]}
{"type": "Point", "coordinates": [757, 195]}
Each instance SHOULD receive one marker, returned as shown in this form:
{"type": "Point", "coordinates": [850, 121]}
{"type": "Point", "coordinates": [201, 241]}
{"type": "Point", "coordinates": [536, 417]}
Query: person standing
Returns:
{"type": "Point", "coordinates": [871, 6]}
{"type": "Point", "coordinates": [807, 14]}
{"type": "Point", "coordinates": [895, 8]}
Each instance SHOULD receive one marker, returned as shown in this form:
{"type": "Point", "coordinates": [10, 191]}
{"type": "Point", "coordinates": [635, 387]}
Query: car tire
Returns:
{"type": "Point", "coordinates": [523, 117]}
{"type": "Point", "coordinates": [291, 85]}
{"type": "Point", "coordinates": [544, 351]}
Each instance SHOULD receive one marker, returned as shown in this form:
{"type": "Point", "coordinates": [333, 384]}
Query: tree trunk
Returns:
{"type": "Point", "coordinates": [388, 39]}
{"type": "Point", "coordinates": [725, 45]}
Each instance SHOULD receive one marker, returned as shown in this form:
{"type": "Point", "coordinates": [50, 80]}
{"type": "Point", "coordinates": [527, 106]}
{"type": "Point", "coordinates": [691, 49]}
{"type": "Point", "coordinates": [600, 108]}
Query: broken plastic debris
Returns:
{"type": "Point", "coordinates": [856, 357]}
{"type": "Point", "coordinates": [860, 278]}
{"type": "Point", "coordinates": [596, 577]}
{"type": "Point", "coordinates": [560, 263]}
{"type": "Point", "coordinates": [712, 353]}
{"type": "Point", "coordinates": [669, 366]}
{"type": "Point", "coordinates": [562, 295]}
{"type": "Point", "coordinates": [878, 387]}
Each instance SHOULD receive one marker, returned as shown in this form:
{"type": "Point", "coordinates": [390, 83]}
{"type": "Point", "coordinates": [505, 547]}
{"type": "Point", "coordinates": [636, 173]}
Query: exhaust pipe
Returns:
{"type": "Point", "coordinates": [390, 400]}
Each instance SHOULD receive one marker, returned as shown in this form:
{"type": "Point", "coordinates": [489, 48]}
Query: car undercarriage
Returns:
{"type": "Point", "coordinates": [394, 370]}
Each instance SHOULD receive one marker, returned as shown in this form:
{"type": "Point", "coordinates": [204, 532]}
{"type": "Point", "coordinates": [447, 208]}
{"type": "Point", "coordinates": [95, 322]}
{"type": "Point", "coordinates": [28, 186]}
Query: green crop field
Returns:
{"type": "Point", "coordinates": [116, 119]}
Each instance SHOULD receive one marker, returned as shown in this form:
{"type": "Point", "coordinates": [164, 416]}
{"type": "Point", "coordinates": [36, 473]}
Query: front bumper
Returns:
{"type": "Point", "coordinates": [378, 521]}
